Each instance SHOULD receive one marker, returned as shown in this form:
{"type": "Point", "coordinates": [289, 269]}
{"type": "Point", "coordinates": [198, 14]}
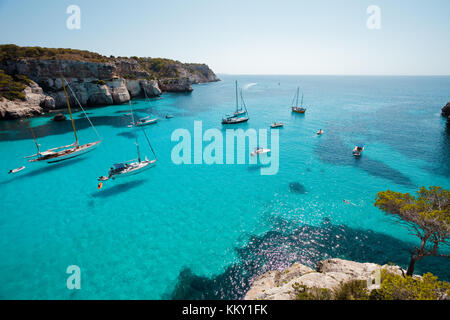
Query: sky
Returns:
{"type": "Point", "coordinates": [247, 36]}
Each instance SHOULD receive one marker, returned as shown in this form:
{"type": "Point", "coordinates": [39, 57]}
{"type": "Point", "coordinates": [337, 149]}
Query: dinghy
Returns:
{"type": "Point", "coordinates": [259, 151]}
{"type": "Point", "coordinates": [146, 121]}
{"type": "Point", "coordinates": [16, 170]}
{"type": "Point", "coordinates": [357, 151]}
{"type": "Point", "coordinates": [277, 125]}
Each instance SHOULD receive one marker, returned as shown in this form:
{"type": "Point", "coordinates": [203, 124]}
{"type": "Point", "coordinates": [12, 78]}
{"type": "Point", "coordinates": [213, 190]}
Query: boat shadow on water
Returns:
{"type": "Point", "coordinates": [41, 169]}
{"type": "Point", "coordinates": [118, 189]}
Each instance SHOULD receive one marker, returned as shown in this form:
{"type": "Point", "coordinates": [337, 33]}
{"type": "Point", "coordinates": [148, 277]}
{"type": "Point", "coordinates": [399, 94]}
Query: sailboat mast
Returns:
{"type": "Point", "coordinates": [135, 133]}
{"type": "Point", "coordinates": [35, 142]}
{"type": "Point", "coordinates": [237, 103]}
{"type": "Point", "coordinates": [298, 91]}
{"type": "Point", "coordinates": [70, 112]}
{"type": "Point", "coordinates": [302, 100]}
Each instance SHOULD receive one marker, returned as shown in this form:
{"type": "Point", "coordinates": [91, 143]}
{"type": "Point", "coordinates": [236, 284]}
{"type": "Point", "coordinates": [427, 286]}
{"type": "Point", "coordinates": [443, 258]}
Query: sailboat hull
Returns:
{"type": "Point", "coordinates": [234, 120]}
{"type": "Point", "coordinates": [135, 168]}
{"type": "Point", "coordinates": [298, 110]}
{"type": "Point", "coordinates": [67, 154]}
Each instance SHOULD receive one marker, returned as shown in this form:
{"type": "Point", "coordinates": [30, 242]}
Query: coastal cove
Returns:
{"type": "Point", "coordinates": [205, 231]}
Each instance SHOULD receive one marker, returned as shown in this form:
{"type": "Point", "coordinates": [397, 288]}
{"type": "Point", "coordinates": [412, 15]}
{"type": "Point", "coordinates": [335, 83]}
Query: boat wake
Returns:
{"type": "Point", "coordinates": [249, 85]}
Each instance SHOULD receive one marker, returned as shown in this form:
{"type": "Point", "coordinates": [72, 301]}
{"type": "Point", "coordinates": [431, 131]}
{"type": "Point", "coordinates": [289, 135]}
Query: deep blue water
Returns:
{"type": "Point", "coordinates": [203, 231]}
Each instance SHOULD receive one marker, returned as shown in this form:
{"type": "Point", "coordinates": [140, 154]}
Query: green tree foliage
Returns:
{"type": "Point", "coordinates": [426, 215]}
{"type": "Point", "coordinates": [11, 87]}
{"type": "Point", "coordinates": [397, 287]}
{"type": "Point", "coordinates": [13, 52]}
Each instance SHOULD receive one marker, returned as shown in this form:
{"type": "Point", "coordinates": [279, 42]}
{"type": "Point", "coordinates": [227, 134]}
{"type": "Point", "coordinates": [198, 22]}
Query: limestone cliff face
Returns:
{"type": "Point", "coordinates": [104, 81]}
{"type": "Point", "coordinates": [34, 104]}
{"type": "Point", "coordinates": [279, 284]}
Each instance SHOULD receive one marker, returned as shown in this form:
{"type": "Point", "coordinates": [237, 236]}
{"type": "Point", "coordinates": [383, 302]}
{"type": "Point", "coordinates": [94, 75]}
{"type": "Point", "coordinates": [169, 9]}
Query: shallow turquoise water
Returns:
{"type": "Point", "coordinates": [133, 238]}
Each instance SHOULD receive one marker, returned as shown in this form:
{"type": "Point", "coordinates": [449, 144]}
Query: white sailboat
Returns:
{"type": "Point", "coordinates": [130, 167]}
{"type": "Point", "coordinates": [241, 113]}
{"type": "Point", "coordinates": [146, 120]}
{"type": "Point", "coordinates": [73, 150]}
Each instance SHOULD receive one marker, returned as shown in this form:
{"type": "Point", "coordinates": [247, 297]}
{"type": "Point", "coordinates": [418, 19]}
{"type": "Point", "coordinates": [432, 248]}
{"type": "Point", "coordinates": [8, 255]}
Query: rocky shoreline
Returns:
{"type": "Point", "coordinates": [96, 83]}
{"type": "Point", "coordinates": [446, 111]}
{"type": "Point", "coordinates": [329, 274]}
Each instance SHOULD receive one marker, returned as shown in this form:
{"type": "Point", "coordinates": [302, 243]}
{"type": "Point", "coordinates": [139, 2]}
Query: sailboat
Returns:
{"type": "Point", "coordinates": [146, 120]}
{"type": "Point", "coordinates": [130, 167]}
{"type": "Point", "coordinates": [296, 108]}
{"type": "Point", "coordinates": [241, 113]}
{"type": "Point", "coordinates": [73, 150]}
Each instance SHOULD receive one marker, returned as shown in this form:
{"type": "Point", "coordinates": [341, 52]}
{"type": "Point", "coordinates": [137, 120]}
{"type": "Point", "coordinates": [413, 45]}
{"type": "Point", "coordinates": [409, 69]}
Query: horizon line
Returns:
{"type": "Point", "coordinates": [333, 74]}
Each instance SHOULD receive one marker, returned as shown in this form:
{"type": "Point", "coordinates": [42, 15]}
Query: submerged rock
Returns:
{"type": "Point", "coordinates": [296, 187]}
{"type": "Point", "coordinates": [59, 117]}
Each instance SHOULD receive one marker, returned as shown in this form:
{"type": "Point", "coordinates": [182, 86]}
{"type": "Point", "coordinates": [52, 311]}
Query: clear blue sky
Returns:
{"type": "Point", "coordinates": [247, 36]}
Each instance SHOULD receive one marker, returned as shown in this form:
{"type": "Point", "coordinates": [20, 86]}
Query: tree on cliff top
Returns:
{"type": "Point", "coordinates": [427, 216]}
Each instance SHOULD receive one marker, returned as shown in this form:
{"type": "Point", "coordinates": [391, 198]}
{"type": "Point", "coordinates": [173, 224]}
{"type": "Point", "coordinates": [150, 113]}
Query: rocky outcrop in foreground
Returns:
{"type": "Point", "coordinates": [446, 110]}
{"type": "Point", "coordinates": [329, 274]}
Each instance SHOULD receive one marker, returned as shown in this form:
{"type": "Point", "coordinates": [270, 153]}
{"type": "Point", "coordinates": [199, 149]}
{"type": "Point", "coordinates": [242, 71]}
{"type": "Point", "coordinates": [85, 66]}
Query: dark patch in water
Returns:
{"type": "Point", "coordinates": [306, 244]}
{"type": "Point", "coordinates": [129, 135]}
{"type": "Point", "coordinates": [333, 150]}
{"type": "Point", "coordinates": [44, 168]}
{"type": "Point", "coordinates": [296, 187]}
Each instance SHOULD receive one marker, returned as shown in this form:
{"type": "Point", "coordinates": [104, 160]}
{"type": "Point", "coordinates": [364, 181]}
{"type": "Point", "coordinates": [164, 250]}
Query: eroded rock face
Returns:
{"type": "Point", "coordinates": [446, 110]}
{"type": "Point", "coordinates": [279, 284]}
{"type": "Point", "coordinates": [112, 81]}
{"type": "Point", "coordinates": [35, 103]}
{"type": "Point", "coordinates": [176, 85]}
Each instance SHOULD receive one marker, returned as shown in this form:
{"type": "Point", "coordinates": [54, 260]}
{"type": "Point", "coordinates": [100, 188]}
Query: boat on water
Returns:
{"type": "Point", "coordinates": [296, 108]}
{"type": "Point", "coordinates": [130, 167]}
{"type": "Point", "coordinates": [67, 152]}
{"type": "Point", "coordinates": [320, 132]}
{"type": "Point", "coordinates": [146, 121]}
{"type": "Point", "coordinates": [169, 116]}
{"type": "Point", "coordinates": [277, 125]}
{"type": "Point", "coordinates": [16, 170]}
{"type": "Point", "coordinates": [259, 151]}
{"type": "Point", "coordinates": [357, 150]}
{"type": "Point", "coordinates": [241, 113]}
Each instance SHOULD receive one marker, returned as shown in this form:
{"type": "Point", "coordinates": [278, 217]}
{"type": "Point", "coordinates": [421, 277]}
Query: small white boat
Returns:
{"type": "Point", "coordinates": [319, 132]}
{"type": "Point", "coordinates": [259, 151]}
{"type": "Point", "coordinates": [277, 125]}
{"type": "Point", "coordinates": [146, 121]}
{"type": "Point", "coordinates": [16, 170]}
{"type": "Point", "coordinates": [357, 151]}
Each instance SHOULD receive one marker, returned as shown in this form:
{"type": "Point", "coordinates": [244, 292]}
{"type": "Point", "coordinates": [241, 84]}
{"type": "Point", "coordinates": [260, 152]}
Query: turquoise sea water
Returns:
{"type": "Point", "coordinates": [203, 231]}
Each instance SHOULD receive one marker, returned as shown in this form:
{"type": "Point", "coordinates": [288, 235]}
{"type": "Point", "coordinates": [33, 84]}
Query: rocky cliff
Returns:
{"type": "Point", "coordinates": [446, 110]}
{"type": "Point", "coordinates": [95, 79]}
{"type": "Point", "coordinates": [329, 274]}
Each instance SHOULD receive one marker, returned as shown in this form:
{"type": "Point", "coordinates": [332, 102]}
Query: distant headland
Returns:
{"type": "Point", "coordinates": [30, 78]}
